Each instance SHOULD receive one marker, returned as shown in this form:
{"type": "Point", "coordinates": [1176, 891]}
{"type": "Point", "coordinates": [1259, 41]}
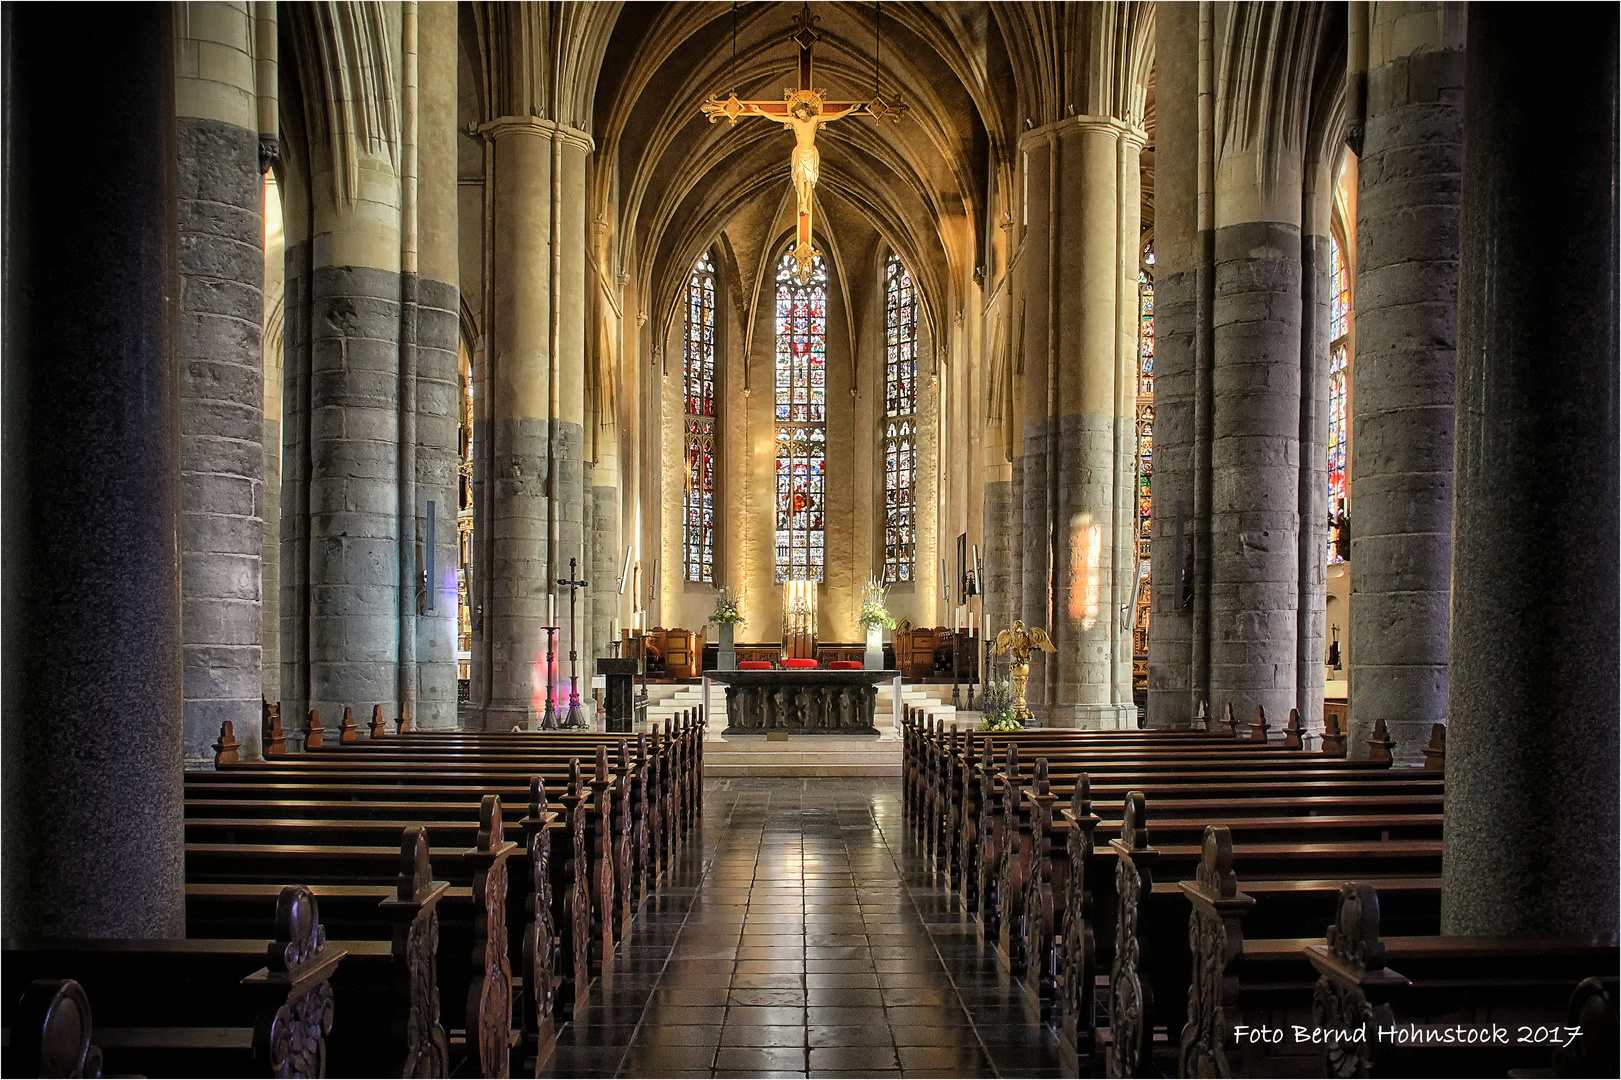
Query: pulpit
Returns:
{"type": "Point", "coordinates": [618, 701]}
{"type": "Point", "coordinates": [914, 652]}
{"type": "Point", "coordinates": [683, 654]}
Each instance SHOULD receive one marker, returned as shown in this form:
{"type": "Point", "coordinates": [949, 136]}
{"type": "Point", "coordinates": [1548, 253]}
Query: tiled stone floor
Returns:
{"type": "Point", "coordinates": [802, 936]}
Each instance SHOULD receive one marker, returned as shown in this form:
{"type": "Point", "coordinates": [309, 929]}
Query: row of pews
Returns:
{"type": "Point", "coordinates": [364, 904]}
{"type": "Point", "coordinates": [1281, 916]}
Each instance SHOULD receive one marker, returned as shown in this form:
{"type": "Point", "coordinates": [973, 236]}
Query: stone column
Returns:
{"type": "Point", "coordinates": [345, 370]}
{"type": "Point", "coordinates": [1090, 351]}
{"type": "Point", "coordinates": [92, 744]}
{"type": "Point", "coordinates": [537, 411]}
{"type": "Point", "coordinates": [1035, 341]}
{"type": "Point", "coordinates": [1316, 254]}
{"type": "Point", "coordinates": [275, 329]}
{"type": "Point", "coordinates": [1179, 246]}
{"type": "Point", "coordinates": [1531, 824]}
{"type": "Point", "coordinates": [438, 385]}
{"type": "Point", "coordinates": [222, 271]}
{"type": "Point", "coordinates": [1255, 432]}
{"type": "Point", "coordinates": [607, 553]}
{"type": "Point", "coordinates": [1406, 330]}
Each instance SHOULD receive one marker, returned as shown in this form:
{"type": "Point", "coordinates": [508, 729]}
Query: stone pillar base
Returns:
{"type": "Point", "coordinates": [1094, 717]}
{"type": "Point", "coordinates": [501, 717]}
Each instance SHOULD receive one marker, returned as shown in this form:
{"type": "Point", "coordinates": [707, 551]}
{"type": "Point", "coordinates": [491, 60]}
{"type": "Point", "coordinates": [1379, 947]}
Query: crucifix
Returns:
{"type": "Point", "coordinates": [803, 110]}
{"type": "Point", "coordinates": [574, 719]}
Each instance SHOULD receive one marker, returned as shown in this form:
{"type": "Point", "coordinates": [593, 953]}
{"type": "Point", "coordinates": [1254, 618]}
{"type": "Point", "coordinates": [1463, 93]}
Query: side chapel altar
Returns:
{"type": "Point", "coordinates": [802, 701]}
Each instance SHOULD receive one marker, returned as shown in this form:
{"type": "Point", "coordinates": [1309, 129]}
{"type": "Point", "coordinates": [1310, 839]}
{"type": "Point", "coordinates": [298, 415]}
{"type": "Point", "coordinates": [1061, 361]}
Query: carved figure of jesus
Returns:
{"type": "Point", "coordinates": [807, 160]}
{"type": "Point", "coordinates": [802, 111]}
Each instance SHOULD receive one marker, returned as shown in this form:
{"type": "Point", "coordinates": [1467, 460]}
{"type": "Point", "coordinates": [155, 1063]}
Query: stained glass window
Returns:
{"type": "Point", "coordinates": [1145, 410]}
{"type": "Point", "coordinates": [1145, 334]}
{"type": "Point", "coordinates": [801, 420]}
{"type": "Point", "coordinates": [699, 391]}
{"type": "Point", "coordinates": [1339, 318]}
{"type": "Point", "coordinates": [900, 422]}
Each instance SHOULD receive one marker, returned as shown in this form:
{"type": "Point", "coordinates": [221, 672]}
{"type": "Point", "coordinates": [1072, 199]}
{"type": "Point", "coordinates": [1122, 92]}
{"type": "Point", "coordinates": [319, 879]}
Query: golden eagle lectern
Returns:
{"type": "Point", "coordinates": [1016, 645]}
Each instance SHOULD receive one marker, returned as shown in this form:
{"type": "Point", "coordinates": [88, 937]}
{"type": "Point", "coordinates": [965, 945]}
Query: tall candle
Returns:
{"type": "Point", "coordinates": [551, 609]}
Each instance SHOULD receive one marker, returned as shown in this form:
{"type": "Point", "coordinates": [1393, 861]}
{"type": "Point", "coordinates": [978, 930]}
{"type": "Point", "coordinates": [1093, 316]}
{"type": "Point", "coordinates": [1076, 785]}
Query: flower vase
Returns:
{"type": "Point", "coordinates": [726, 657]}
{"type": "Point", "coordinates": [873, 659]}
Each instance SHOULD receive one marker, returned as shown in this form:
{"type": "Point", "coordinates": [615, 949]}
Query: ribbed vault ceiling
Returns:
{"type": "Point", "coordinates": [675, 181]}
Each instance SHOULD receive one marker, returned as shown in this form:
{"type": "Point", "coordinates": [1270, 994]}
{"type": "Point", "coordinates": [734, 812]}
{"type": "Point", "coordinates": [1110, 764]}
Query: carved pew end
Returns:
{"type": "Point", "coordinates": [272, 737]}
{"type": "Point", "coordinates": [1334, 741]}
{"type": "Point", "coordinates": [289, 1035]}
{"type": "Point", "coordinates": [1294, 734]}
{"type": "Point", "coordinates": [1258, 726]}
{"type": "Point", "coordinates": [414, 911]}
{"type": "Point", "coordinates": [379, 727]}
{"type": "Point", "coordinates": [226, 750]}
{"type": "Point", "coordinates": [1435, 754]}
{"type": "Point", "coordinates": [1381, 747]}
{"type": "Point", "coordinates": [50, 1031]}
{"type": "Point", "coordinates": [348, 733]}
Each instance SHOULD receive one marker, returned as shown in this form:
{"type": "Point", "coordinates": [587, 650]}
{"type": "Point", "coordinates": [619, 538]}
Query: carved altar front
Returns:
{"type": "Point", "coordinates": [801, 701]}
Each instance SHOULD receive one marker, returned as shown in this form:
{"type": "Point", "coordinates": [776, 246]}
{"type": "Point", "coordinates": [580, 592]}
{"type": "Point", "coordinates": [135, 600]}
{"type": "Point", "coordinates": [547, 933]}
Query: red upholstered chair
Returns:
{"type": "Point", "coordinates": [844, 665]}
{"type": "Point", "coordinates": [754, 665]}
{"type": "Point", "coordinates": [800, 662]}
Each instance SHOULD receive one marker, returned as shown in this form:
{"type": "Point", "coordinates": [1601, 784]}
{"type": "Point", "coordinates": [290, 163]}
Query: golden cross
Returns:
{"type": "Point", "coordinates": [802, 110]}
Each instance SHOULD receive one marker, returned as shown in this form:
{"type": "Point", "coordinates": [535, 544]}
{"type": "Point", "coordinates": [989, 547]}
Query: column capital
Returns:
{"type": "Point", "coordinates": [537, 126]}
{"type": "Point", "coordinates": [1077, 124]}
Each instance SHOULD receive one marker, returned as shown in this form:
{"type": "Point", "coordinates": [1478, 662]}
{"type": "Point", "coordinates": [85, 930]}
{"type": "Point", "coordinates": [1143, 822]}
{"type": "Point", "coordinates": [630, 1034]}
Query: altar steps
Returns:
{"type": "Point", "coordinates": [802, 755]}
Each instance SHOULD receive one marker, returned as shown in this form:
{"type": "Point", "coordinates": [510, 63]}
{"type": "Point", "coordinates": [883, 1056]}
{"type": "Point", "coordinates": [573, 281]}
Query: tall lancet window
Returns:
{"type": "Point", "coordinates": [801, 420]}
{"type": "Point", "coordinates": [1145, 408]}
{"type": "Point", "coordinates": [900, 423]}
{"type": "Point", "coordinates": [699, 369]}
{"type": "Point", "coordinates": [1339, 329]}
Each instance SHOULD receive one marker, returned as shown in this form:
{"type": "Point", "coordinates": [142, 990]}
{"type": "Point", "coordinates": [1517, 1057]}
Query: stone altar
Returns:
{"type": "Point", "coordinates": [803, 701]}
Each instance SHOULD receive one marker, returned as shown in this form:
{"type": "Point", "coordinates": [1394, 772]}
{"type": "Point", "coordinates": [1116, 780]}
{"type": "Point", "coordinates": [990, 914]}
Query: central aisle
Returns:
{"type": "Point", "coordinates": [802, 937]}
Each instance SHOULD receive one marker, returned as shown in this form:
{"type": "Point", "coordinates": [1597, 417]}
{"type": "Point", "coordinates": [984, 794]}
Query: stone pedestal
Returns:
{"type": "Point", "coordinates": [726, 655]}
{"type": "Point", "coordinates": [1096, 717]}
{"type": "Point", "coordinates": [873, 658]}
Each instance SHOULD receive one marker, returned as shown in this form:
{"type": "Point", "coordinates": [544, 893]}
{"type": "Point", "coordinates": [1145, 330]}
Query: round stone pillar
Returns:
{"type": "Point", "coordinates": [438, 381]}
{"type": "Point", "coordinates": [1255, 452]}
{"type": "Point", "coordinates": [1402, 375]}
{"type": "Point", "coordinates": [92, 739]}
{"type": "Point", "coordinates": [222, 421]}
{"type": "Point", "coordinates": [1531, 824]}
{"type": "Point", "coordinates": [1092, 164]}
{"type": "Point", "coordinates": [535, 420]}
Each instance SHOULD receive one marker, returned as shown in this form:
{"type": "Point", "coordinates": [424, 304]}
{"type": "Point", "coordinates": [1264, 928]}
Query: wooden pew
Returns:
{"type": "Point", "coordinates": [225, 856]}
{"type": "Point", "coordinates": [611, 846]}
{"type": "Point", "coordinates": [1150, 962]}
{"type": "Point", "coordinates": [1360, 975]}
{"type": "Point", "coordinates": [1010, 847]}
{"type": "Point", "coordinates": [193, 1006]}
{"type": "Point", "coordinates": [616, 827]}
